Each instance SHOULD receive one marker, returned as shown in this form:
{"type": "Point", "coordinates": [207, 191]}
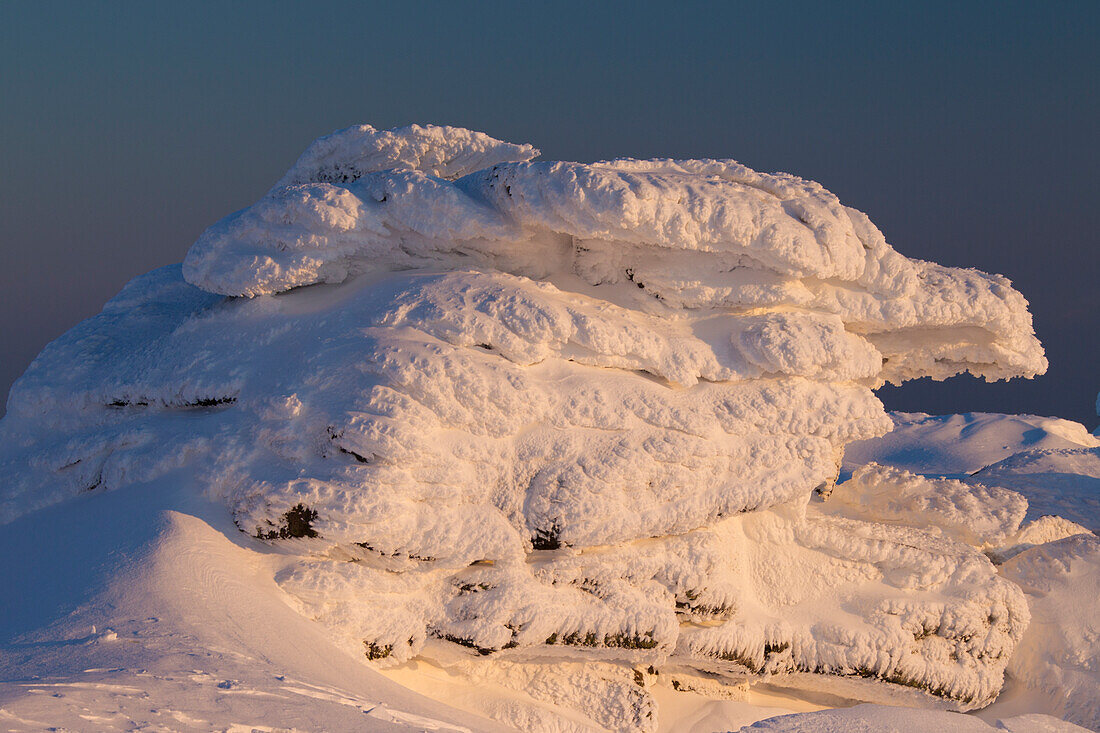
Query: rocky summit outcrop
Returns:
{"type": "Point", "coordinates": [553, 413]}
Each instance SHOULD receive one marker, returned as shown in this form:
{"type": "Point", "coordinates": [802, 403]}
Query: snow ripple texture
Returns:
{"type": "Point", "coordinates": [557, 410]}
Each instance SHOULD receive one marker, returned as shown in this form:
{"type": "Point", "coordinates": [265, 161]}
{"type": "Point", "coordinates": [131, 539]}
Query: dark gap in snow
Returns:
{"type": "Point", "coordinates": [547, 539]}
{"type": "Point", "coordinates": [356, 456]}
{"type": "Point", "coordinates": [398, 554]}
{"type": "Point", "coordinates": [645, 640]}
{"type": "Point", "coordinates": [335, 435]}
{"type": "Point", "coordinates": [337, 173]}
{"type": "Point", "coordinates": [377, 651]}
{"type": "Point", "coordinates": [199, 402]}
{"type": "Point", "coordinates": [688, 608]}
{"type": "Point", "coordinates": [464, 641]}
{"type": "Point", "coordinates": [653, 377]}
{"type": "Point", "coordinates": [206, 402]}
{"type": "Point", "coordinates": [297, 522]}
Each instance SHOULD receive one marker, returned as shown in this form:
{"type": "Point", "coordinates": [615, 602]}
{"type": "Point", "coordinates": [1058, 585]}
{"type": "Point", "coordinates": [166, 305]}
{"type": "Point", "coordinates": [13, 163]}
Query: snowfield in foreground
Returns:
{"type": "Point", "coordinates": [435, 437]}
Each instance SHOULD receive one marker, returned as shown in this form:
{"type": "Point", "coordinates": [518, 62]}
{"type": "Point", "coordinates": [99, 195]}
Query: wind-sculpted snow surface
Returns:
{"type": "Point", "coordinates": [556, 411]}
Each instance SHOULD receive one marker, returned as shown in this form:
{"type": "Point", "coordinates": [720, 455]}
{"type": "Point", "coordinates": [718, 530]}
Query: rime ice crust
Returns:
{"type": "Point", "coordinates": [483, 391]}
{"type": "Point", "coordinates": [695, 234]}
{"type": "Point", "coordinates": [441, 151]}
{"type": "Point", "coordinates": [555, 409]}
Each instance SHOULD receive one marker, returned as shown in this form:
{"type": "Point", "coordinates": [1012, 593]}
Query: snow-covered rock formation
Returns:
{"type": "Point", "coordinates": [556, 412]}
{"type": "Point", "coordinates": [1045, 471]}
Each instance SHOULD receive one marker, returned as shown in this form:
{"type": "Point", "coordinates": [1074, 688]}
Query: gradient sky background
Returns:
{"type": "Point", "coordinates": [968, 132]}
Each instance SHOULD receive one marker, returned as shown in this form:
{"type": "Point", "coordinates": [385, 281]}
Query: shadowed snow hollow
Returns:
{"type": "Point", "coordinates": [551, 413]}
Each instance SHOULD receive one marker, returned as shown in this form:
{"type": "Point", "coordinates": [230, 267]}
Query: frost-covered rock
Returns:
{"type": "Point", "coordinates": [1045, 465]}
{"type": "Point", "coordinates": [971, 513]}
{"type": "Point", "coordinates": [690, 234]}
{"type": "Point", "coordinates": [1047, 528]}
{"type": "Point", "coordinates": [556, 411]}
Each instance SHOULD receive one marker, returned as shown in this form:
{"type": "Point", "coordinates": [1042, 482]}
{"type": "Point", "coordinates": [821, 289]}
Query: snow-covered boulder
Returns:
{"type": "Point", "coordinates": [971, 513]}
{"type": "Point", "coordinates": [553, 411]}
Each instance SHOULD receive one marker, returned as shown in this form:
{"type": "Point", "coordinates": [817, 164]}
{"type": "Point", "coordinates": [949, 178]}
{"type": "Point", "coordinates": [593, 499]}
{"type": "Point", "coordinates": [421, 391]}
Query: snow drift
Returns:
{"type": "Point", "coordinates": [549, 412]}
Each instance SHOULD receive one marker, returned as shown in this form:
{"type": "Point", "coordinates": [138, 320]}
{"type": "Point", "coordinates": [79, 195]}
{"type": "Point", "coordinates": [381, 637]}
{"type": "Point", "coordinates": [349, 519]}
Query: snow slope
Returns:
{"type": "Point", "coordinates": [880, 719]}
{"type": "Point", "coordinates": [953, 445]}
{"type": "Point", "coordinates": [561, 430]}
{"type": "Point", "coordinates": [141, 609]}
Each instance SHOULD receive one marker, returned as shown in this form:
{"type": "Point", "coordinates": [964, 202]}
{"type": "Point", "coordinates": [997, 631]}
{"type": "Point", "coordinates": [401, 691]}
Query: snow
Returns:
{"type": "Point", "coordinates": [1047, 465]}
{"type": "Point", "coordinates": [954, 445]}
{"type": "Point", "coordinates": [157, 617]}
{"type": "Point", "coordinates": [1053, 463]}
{"type": "Point", "coordinates": [881, 719]}
{"type": "Point", "coordinates": [552, 443]}
{"type": "Point", "coordinates": [1058, 659]}
{"type": "Point", "coordinates": [1059, 482]}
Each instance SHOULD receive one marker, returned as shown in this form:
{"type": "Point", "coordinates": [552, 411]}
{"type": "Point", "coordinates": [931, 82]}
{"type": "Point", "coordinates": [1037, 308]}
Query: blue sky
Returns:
{"type": "Point", "coordinates": [967, 131]}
